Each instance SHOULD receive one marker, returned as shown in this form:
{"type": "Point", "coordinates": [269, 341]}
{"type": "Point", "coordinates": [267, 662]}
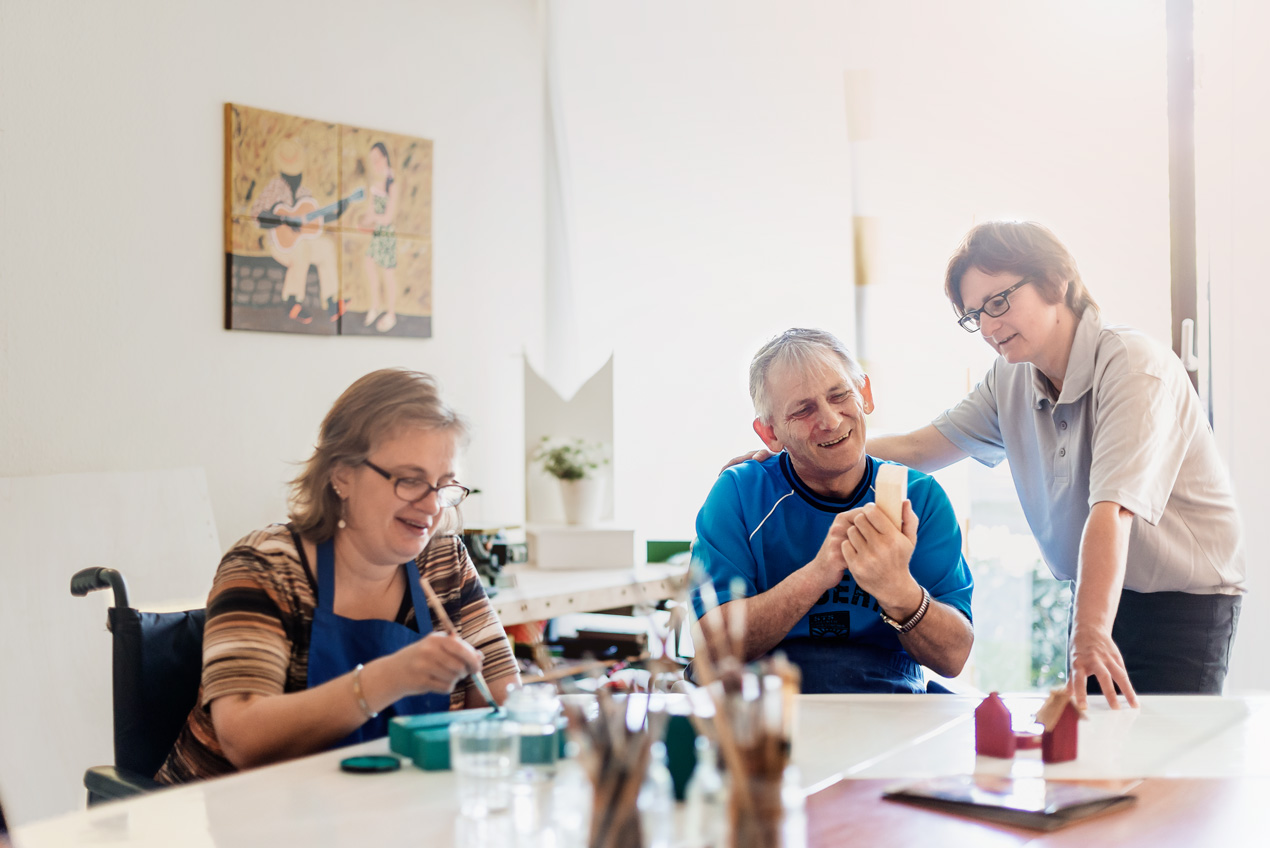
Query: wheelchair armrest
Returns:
{"type": "Point", "coordinates": [107, 783]}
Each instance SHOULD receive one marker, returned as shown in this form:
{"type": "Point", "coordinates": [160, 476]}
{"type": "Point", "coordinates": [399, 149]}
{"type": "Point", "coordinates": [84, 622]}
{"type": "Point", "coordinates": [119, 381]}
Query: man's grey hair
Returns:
{"type": "Point", "coordinates": [800, 348]}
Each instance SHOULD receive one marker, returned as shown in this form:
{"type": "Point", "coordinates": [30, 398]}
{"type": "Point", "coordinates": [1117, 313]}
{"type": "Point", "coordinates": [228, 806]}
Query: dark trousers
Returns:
{"type": "Point", "coordinates": [1174, 642]}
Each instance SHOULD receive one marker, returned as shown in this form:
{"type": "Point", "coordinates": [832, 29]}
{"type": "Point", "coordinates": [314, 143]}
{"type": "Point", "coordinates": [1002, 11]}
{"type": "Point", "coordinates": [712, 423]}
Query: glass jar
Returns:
{"type": "Point", "coordinates": [657, 801]}
{"type": "Point", "coordinates": [536, 709]}
{"type": "Point", "coordinates": [705, 800]}
{"type": "Point", "coordinates": [767, 812]}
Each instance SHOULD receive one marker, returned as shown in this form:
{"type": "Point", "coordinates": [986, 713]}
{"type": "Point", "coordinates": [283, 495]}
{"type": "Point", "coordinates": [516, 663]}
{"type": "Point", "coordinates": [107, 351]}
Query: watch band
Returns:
{"type": "Point", "coordinates": [914, 619]}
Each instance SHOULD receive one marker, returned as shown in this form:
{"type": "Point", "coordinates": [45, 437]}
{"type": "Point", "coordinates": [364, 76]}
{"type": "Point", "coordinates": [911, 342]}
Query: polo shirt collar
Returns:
{"type": "Point", "coordinates": [821, 502]}
{"type": "Point", "coordinates": [1079, 378]}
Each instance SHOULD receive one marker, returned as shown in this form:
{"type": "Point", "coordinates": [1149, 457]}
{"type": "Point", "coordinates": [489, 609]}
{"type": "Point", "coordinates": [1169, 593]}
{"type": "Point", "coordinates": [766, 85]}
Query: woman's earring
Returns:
{"type": "Point", "coordinates": [341, 524]}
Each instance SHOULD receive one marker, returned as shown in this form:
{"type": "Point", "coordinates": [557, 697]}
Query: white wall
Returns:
{"type": "Point", "coordinates": [710, 200]}
{"type": "Point", "coordinates": [1049, 111]}
{"type": "Point", "coordinates": [55, 709]}
{"type": "Point", "coordinates": [711, 186]}
{"type": "Point", "coordinates": [112, 352]}
{"type": "Point", "coordinates": [1233, 135]}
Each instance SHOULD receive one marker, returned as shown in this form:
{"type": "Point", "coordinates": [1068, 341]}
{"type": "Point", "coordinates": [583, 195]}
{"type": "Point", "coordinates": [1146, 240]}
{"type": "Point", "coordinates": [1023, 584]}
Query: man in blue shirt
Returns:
{"type": "Point", "coordinates": [853, 600]}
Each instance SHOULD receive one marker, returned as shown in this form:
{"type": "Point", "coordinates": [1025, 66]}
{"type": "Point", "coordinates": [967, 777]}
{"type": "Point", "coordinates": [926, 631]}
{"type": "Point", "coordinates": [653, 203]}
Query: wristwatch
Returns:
{"type": "Point", "coordinates": [913, 620]}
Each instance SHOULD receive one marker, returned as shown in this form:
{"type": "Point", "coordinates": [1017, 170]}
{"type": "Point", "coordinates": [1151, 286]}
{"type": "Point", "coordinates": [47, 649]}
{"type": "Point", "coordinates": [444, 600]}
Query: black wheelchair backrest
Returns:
{"type": "Point", "coordinates": [157, 668]}
{"type": "Point", "coordinates": [158, 664]}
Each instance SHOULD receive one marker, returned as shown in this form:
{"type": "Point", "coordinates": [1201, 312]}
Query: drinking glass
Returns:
{"type": "Point", "coordinates": [484, 756]}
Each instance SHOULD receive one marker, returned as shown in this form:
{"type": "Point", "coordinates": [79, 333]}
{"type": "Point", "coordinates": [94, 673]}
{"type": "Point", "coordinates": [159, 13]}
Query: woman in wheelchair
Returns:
{"type": "Point", "coordinates": [318, 630]}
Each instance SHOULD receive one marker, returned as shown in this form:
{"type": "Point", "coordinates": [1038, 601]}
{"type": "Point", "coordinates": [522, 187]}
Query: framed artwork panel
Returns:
{"type": "Point", "coordinates": [321, 218]}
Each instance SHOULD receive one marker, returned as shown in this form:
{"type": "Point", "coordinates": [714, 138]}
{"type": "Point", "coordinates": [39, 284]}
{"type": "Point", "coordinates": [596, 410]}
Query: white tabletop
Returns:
{"type": "Point", "coordinates": [1167, 736]}
{"type": "Point", "coordinates": [310, 802]}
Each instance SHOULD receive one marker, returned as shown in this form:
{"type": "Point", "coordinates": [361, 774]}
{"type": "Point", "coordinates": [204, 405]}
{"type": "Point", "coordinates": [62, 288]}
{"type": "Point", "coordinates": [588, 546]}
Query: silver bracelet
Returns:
{"type": "Point", "coordinates": [357, 693]}
{"type": "Point", "coordinates": [906, 626]}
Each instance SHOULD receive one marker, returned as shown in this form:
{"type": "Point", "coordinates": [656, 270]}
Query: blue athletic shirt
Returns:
{"type": "Point", "coordinates": [761, 523]}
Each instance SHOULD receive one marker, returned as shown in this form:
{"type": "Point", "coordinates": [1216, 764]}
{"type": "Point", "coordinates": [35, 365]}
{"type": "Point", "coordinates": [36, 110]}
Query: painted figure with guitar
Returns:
{"type": "Point", "coordinates": [289, 211]}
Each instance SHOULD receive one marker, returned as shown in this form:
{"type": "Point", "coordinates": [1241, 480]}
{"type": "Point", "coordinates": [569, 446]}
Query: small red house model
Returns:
{"type": "Point", "coordinates": [994, 736]}
{"type": "Point", "coordinates": [1059, 716]}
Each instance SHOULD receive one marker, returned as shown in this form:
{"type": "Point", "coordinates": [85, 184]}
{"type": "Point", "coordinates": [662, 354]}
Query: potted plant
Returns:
{"type": "Point", "coordinates": [574, 462]}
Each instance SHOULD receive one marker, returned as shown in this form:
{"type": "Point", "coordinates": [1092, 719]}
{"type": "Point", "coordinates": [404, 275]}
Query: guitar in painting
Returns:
{"type": "Point", "coordinates": [304, 219]}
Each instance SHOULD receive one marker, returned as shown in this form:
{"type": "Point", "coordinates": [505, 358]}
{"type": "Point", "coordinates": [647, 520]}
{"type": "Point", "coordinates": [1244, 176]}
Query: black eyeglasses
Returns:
{"type": "Point", "coordinates": [994, 307]}
{"type": "Point", "coordinates": [413, 489]}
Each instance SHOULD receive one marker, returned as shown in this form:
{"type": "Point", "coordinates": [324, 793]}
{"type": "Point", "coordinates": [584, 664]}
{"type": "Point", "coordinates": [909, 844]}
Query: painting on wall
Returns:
{"type": "Point", "coordinates": [387, 249]}
{"type": "Point", "coordinates": [328, 227]}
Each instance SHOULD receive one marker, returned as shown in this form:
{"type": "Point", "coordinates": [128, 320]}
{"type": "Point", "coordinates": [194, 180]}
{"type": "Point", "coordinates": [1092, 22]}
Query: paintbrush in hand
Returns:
{"type": "Point", "coordinates": [439, 609]}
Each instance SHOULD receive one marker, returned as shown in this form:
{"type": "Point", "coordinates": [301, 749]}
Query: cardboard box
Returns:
{"type": "Point", "coordinates": [565, 547]}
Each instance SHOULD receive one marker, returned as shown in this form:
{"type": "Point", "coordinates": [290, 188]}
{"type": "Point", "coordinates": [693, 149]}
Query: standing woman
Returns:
{"type": "Point", "coordinates": [318, 630]}
{"type": "Point", "coordinates": [381, 255]}
{"type": "Point", "coordinates": [1113, 459]}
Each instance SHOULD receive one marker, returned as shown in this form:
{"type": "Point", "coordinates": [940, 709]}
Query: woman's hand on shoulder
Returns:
{"type": "Point", "coordinates": [758, 456]}
{"type": "Point", "coordinates": [436, 663]}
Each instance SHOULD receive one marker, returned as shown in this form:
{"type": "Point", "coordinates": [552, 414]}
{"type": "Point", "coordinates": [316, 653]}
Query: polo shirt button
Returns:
{"type": "Point", "coordinates": [1062, 451]}
{"type": "Point", "coordinates": [1062, 425]}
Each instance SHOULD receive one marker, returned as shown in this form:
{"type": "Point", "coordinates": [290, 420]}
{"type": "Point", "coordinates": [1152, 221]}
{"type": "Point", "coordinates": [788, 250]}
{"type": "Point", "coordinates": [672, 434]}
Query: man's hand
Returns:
{"type": "Point", "coordinates": [829, 563]}
{"type": "Point", "coordinates": [757, 456]}
{"type": "Point", "coordinates": [1094, 654]}
{"type": "Point", "coordinates": [877, 553]}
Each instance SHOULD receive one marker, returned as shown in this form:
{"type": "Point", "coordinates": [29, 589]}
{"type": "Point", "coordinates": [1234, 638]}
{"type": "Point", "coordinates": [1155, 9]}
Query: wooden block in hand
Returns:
{"type": "Point", "coordinates": [889, 491]}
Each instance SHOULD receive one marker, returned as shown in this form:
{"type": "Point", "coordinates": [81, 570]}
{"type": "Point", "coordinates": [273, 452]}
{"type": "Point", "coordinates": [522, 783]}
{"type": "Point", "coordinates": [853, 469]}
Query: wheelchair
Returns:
{"type": "Point", "coordinates": [157, 666]}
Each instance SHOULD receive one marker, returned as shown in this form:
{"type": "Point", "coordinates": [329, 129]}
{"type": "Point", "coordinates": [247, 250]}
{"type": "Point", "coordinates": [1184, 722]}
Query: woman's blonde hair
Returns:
{"type": "Point", "coordinates": [370, 410]}
{"type": "Point", "coordinates": [1025, 248]}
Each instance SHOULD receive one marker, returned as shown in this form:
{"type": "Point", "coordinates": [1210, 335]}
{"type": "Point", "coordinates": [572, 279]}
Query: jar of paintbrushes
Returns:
{"type": "Point", "coordinates": [754, 719]}
{"type": "Point", "coordinates": [616, 737]}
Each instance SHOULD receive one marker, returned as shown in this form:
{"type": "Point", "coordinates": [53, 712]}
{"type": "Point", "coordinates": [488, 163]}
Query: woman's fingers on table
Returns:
{"type": "Point", "coordinates": [1096, 655]}
{"type": "Point", "coordinates": [1108, 688]}
{"type": "Point", "coordinates": [1126, 688]}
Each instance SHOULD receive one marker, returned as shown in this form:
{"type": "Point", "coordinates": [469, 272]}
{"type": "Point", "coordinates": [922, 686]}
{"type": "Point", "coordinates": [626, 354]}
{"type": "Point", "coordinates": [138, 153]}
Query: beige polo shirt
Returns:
{"type": "Point", "coordinates": [1128, 428]}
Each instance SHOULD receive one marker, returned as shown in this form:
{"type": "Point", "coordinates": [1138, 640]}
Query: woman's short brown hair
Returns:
{"type": "Point", "coordinates": [1018, 247]}
{"type": "Point", "coordinates": [372, 409]}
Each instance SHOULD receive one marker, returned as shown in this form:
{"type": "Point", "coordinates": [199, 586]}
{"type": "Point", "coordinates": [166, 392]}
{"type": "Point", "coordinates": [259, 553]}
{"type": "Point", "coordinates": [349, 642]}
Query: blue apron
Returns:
{"type": "Point", "coordinates": [338, 644]}
{"type": "Point", "coordinates": [848, 665]}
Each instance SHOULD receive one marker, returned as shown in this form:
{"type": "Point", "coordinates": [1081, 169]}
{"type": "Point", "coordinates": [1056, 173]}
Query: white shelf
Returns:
{"type": "Point", "coordinates": [541, 594]}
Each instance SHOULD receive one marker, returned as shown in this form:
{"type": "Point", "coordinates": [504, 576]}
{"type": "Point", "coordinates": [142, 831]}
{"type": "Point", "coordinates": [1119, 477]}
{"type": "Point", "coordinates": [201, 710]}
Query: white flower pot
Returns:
{"type": "Point", "coordinates": [583, 500]}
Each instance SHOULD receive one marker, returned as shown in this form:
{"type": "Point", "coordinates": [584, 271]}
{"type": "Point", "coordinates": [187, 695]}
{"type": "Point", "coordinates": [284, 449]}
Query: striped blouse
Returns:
{"type": "Point", "coordinates": [260, 616]}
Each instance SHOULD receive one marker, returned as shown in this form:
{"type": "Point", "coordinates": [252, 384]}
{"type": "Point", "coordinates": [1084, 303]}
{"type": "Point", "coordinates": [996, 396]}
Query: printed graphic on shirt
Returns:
{"type": "Point", "coordinates": [830, 624]}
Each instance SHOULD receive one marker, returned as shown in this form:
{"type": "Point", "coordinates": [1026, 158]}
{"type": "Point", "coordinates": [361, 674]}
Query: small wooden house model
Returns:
{"type": "Point", "coordinates": [1059, 716]}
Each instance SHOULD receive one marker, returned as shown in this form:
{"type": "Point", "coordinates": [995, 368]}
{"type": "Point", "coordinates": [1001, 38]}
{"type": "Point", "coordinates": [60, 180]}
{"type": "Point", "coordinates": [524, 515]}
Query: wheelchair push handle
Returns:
{"type": "Point", "coordinates": [91, 579]}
